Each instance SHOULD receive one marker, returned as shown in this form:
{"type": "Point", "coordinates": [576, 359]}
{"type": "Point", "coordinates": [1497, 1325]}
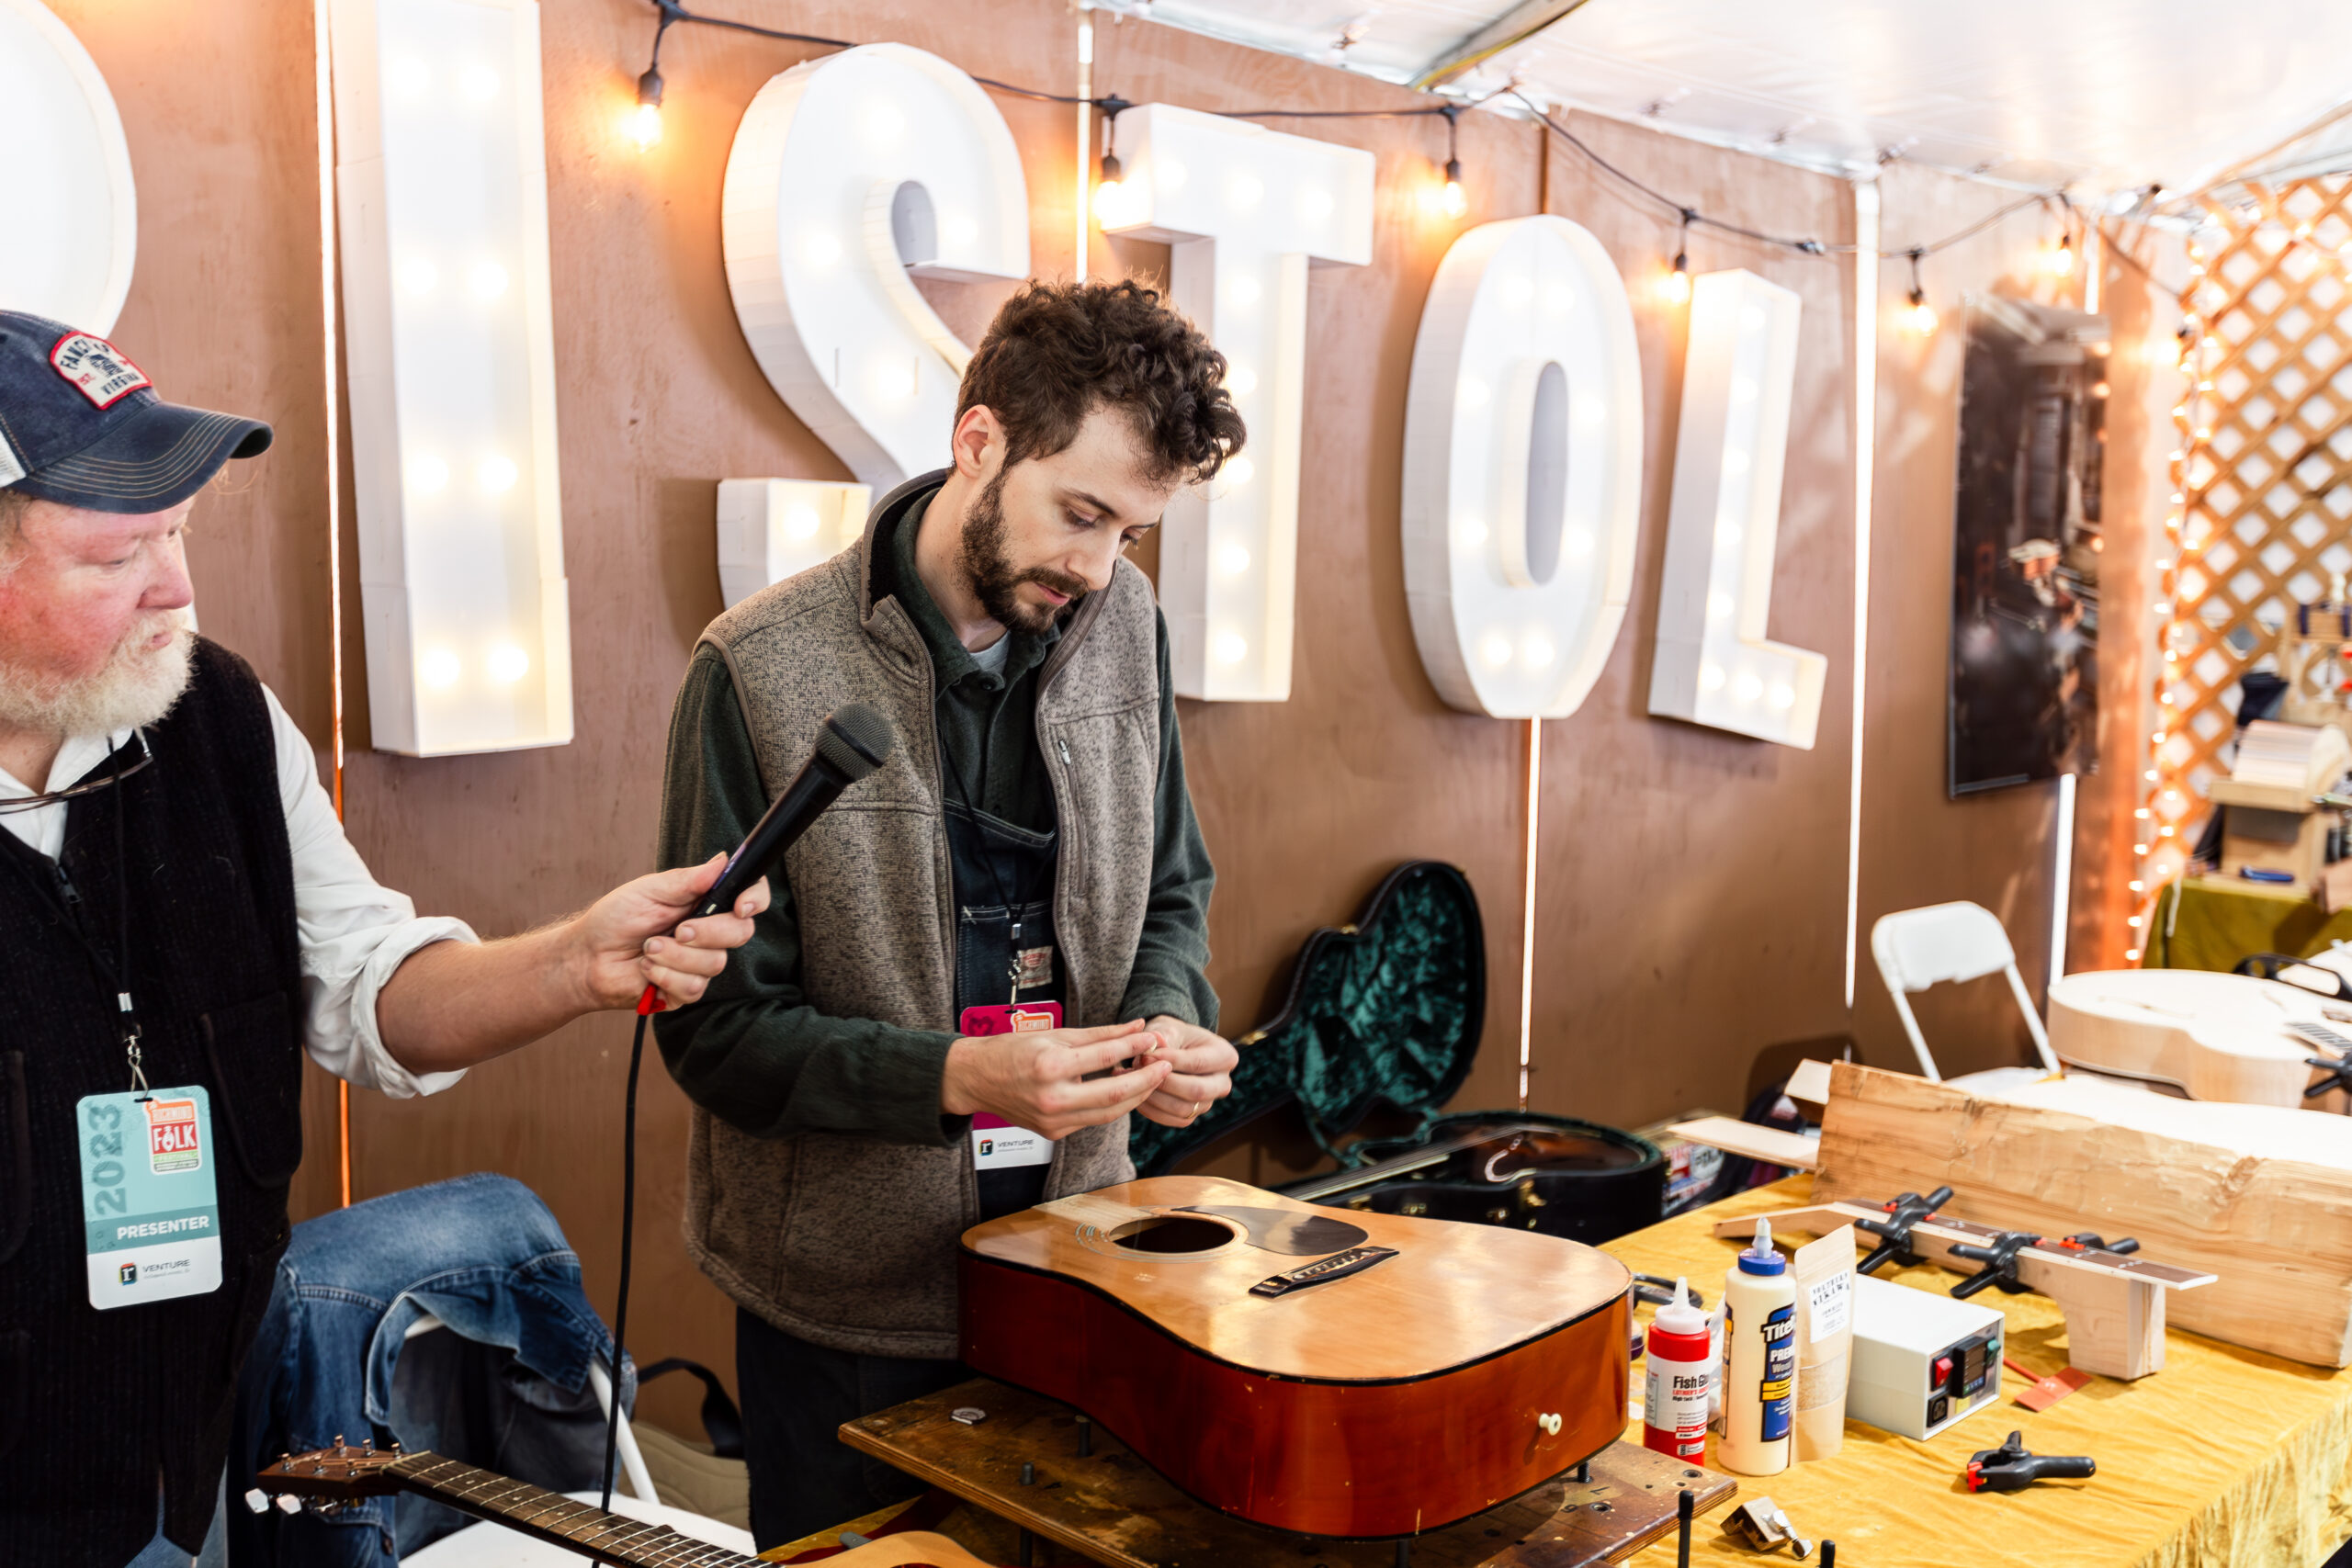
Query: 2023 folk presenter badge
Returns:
{"type": "Point", "coordinates": [151, 1214]}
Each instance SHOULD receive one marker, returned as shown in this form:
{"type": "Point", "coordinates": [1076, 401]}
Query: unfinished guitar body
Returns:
{"type": "Point", "coordinates": [2204, 1036]}
{"type": "Point", "coordinates": [1333, 1373]}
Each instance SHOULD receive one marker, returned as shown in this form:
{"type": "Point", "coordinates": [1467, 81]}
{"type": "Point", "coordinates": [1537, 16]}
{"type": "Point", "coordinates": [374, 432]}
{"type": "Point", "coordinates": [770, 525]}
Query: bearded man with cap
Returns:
{"type": "Point", "coordinates": [180, 907]}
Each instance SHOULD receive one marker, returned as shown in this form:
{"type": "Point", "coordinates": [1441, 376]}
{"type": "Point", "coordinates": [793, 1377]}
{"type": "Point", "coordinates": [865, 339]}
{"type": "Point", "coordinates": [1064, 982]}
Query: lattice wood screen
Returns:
{"type": "Point", "coordinates": [2263, 480]}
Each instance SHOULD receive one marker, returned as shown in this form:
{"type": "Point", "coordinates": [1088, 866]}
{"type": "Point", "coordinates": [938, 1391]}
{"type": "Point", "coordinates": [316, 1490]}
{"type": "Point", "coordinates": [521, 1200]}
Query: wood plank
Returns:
{"type": "Point", "coordinates": [2259, 1196]}
{"type": "Point", "coordinates": [1113, 1509]}
{"type": "Point", "coordinates": [1768, 1144]}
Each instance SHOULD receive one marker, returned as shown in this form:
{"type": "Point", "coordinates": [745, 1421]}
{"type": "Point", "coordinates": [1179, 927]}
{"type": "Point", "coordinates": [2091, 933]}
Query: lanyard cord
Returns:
{"type": "Point", "coordinates": [964, 792]}
{"type": "Point", "coordinates": [121, 974]}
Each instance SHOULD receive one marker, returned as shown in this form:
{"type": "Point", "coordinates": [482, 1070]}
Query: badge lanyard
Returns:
{"type": "Point", "coordinates": [113, 971]}
{"type": "Point", "coordinates": [1011, 910]}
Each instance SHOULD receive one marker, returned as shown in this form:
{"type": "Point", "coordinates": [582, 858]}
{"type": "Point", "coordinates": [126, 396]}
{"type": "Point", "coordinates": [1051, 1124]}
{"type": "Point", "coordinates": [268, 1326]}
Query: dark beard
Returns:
{"type": "Point", "coordinates": [993, 577]}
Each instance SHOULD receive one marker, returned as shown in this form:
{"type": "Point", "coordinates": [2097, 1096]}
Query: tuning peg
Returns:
{"type": "Point", "coordinates": [258, 1500]}
{"type": "Point", "coordinates": [289, 1504]}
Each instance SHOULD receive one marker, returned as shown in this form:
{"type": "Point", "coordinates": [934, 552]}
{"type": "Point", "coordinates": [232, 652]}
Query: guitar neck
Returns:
{"type": "Point", "coordinates": [557, 1519]}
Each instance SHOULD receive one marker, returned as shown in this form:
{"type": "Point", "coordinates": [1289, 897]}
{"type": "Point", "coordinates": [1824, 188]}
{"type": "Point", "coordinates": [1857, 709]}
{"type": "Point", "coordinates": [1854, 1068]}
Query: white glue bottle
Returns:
{"type": "Point", "coordinates": [1682, 1371]}
{"type": "Point", "coordinates": [1760, 1359]}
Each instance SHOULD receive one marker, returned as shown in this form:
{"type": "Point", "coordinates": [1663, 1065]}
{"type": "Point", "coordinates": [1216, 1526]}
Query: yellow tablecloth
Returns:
{"type": "Point", "coordinates": [2210, 923]}
{"type": "Point", "coordinates": [2226, 1459]}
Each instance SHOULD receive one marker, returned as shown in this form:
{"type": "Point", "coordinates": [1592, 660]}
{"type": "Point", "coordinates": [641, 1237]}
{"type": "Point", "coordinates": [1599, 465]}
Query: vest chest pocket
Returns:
{"type": "Point", "coordinates": [257, 1061]}
{"type": "Point", "coordinates": [16, 1370]}
{"type": "Point", "coordinates": [16, 1157]}
{"type": "Point", "coordinates": [1111, 762]}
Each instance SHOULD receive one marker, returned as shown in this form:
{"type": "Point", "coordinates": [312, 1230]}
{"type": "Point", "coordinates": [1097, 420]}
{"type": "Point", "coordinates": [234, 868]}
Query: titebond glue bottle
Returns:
{"type": "Point", "coordinates": [1682, 1367]}
{"type": "Point", "coordinates": [1760, 1359]}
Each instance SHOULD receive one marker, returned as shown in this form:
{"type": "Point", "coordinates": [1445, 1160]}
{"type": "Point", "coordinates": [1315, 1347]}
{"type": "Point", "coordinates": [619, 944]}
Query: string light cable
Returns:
{"type": "Point", "coordinates": [1452, 199]}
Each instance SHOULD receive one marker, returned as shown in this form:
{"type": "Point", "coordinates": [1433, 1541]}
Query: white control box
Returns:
{"type": "Point", "coordinates": [1922, 1360]}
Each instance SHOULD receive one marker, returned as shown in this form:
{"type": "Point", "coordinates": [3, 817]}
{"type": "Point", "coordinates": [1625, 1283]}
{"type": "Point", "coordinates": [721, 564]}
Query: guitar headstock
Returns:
{"type": "Point", "coordinates": [339, 1474]}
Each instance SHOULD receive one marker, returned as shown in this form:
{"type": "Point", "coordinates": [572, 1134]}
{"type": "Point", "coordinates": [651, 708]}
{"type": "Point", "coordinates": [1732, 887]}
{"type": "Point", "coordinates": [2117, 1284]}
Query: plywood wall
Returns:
{"type": "Point", "coordinates": [1691, 884]}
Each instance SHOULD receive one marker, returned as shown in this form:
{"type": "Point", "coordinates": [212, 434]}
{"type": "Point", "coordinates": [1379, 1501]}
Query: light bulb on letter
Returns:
{"type": "Point", "coordinates": [495, 475]}
{"type": "Point", "coordinates": [508, 664]}
{"type": "Point", "coordinates": [800, 522]}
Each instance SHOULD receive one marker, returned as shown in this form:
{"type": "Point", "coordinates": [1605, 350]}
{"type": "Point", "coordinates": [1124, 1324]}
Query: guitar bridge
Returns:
{"type": "Point", "coordinates": [1355, 1261]}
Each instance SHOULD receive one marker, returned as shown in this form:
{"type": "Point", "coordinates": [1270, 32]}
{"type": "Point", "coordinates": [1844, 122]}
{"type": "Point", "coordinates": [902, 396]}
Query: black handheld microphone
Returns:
{"type": "Point", "coordinates": [854, 740]}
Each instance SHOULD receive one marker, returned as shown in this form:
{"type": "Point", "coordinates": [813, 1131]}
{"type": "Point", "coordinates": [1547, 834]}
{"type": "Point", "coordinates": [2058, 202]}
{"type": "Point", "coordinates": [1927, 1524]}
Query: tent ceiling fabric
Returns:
{"type": "Point", "coordinates": [2099, 95]}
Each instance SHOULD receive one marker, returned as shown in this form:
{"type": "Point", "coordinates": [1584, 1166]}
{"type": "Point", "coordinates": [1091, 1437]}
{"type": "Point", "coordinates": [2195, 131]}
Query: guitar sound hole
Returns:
{"type": "Point", "coordinates": [1169, 1233]}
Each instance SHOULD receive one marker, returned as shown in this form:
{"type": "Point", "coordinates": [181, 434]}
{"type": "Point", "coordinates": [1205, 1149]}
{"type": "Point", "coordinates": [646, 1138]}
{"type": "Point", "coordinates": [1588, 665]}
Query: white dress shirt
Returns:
{"type": "Point", "coordinates": [354, 931]}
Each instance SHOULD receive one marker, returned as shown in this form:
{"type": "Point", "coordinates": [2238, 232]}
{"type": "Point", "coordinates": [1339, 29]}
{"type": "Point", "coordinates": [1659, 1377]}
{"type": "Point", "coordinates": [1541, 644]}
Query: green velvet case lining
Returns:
{"type": "Point", "coordinates": [1385, 1011]}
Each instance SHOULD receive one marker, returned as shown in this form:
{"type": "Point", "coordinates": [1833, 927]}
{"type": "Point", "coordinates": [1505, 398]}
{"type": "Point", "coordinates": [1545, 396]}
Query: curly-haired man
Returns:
{"type": "Point", "coordinates": [887, 1063]}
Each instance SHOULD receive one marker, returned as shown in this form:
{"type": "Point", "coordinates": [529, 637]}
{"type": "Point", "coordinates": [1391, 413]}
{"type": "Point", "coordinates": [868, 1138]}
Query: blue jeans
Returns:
{"type": "Point", "coordinates": [161, 1554]}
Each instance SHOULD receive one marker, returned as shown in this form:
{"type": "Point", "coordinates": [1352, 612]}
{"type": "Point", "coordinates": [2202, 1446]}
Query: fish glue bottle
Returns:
{"type": "Point", "coordinates": [1681, 1370]}
{"type": "Point", "coordinates": [1760, 1359]}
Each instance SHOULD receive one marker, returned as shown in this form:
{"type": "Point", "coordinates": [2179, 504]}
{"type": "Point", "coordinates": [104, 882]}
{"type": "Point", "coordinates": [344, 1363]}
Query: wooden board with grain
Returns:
{"type": "Point", "coordinates": [1111, 1508]}
{"type": "Point", "coordinates": [2259, 1196]}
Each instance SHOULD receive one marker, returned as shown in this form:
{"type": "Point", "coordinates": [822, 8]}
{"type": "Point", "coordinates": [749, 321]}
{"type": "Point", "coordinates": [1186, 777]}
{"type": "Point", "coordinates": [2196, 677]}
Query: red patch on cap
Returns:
{"type": "Point", "coordinates": [101, 372]}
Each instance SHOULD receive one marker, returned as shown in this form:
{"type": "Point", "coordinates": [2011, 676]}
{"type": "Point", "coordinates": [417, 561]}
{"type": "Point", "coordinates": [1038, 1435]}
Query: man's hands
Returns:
{"type": "Point", "coordinates": [1039, 1081]}
{"type": "Point", "coordinates": [624, 941]}
{"type": "Point", "coordinates": [1200, 1072]}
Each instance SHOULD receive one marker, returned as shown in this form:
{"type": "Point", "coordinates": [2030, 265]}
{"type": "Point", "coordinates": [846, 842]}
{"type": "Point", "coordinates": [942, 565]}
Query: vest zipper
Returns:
{"type": "Point", "coordinates": [1063, 747]}
{"type": "Point", "coordinates": [66, 890]}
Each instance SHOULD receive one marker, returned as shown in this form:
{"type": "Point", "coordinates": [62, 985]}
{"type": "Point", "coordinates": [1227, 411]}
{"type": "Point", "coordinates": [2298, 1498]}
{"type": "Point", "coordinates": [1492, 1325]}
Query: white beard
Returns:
{"type": "Point", "coordinates": [136, 687]}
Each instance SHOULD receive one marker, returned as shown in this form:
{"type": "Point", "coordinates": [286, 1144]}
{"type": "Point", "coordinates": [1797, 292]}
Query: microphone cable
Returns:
{"type": "Point", "coordinates": [647, 1005]}
{"type": "Point", "coordinates": [854, 740]}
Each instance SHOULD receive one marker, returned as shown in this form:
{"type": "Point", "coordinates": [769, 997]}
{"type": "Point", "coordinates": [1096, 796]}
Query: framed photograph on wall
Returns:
{"type": "Point", "coordinates": [2024, 691]}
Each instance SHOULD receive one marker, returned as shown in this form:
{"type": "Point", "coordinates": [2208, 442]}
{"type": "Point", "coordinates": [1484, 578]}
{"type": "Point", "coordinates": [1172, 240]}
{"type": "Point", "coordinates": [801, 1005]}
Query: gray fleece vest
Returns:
{"type": "Point", "coordinates": [849, 1242]}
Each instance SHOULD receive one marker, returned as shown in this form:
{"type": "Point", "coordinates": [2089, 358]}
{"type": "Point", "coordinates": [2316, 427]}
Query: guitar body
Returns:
{"type": "Point", "coordinates": [1428, 1372]}
{"type": "Point", "coordinates": [2204, 1035]}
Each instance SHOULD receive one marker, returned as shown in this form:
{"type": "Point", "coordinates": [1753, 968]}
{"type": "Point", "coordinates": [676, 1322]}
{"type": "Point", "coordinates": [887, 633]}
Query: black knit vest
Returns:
{"type": "Point", "coordinates": [94, 1405]}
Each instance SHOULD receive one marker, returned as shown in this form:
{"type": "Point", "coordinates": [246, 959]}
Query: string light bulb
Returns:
{"type": "Point", "coordinates": [1452, 201]}
{"type": "Point", "coordinates": [2061, 260]}
{"type": "Point", "coordinates": [1675, 287]}
{"type": "Point", "coordinates": [1919, 316]}
{"type": "Point", "coordinates": [645, 120]}
{"type": "Point", "coordinates": [1110, 189]}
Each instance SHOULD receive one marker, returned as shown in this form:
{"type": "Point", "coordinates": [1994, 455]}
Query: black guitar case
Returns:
{"type": "Point", "coordinates": [1386, 1011]}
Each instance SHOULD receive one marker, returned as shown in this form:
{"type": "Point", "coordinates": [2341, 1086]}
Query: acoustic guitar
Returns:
{"type": "Point", "coordinates": [2202, 1035]}
{"type": "Point", "coordinates": [1355, 1377]}
{"type": "Point", "coordinates": [332, 1477]}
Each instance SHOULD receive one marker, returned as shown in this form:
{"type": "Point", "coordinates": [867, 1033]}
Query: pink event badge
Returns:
{"type": "Point", "coordinates": [1010, 1018]}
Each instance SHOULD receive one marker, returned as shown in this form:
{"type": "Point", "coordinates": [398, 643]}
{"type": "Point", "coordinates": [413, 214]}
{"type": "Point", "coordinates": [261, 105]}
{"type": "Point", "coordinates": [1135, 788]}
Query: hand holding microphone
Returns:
{"type": "Point", "coordinates": [853, 742]}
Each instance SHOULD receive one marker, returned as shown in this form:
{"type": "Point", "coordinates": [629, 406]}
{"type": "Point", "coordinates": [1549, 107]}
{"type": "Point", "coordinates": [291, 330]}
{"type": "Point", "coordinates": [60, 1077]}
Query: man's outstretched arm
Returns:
{"type": "Point", "coordinates": [452, 1004]}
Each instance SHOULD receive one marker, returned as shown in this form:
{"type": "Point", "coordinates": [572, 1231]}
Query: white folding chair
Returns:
{"type": "Point", "coordinates": [493, 1546]}
{"type": "Point", "coordinates": [1920, 948]}
{"type": "Point", "coordinates": [632, 1457]}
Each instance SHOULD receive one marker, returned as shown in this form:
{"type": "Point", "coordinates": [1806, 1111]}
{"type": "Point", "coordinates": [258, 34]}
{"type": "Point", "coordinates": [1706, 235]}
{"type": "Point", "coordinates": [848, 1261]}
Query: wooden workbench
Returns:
{"type": "Point", "coordinates": [2228, 1458]}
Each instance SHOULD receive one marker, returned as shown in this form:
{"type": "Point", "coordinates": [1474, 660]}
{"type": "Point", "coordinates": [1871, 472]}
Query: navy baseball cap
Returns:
{"type": "Point", "coordinates": [81, 426]}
